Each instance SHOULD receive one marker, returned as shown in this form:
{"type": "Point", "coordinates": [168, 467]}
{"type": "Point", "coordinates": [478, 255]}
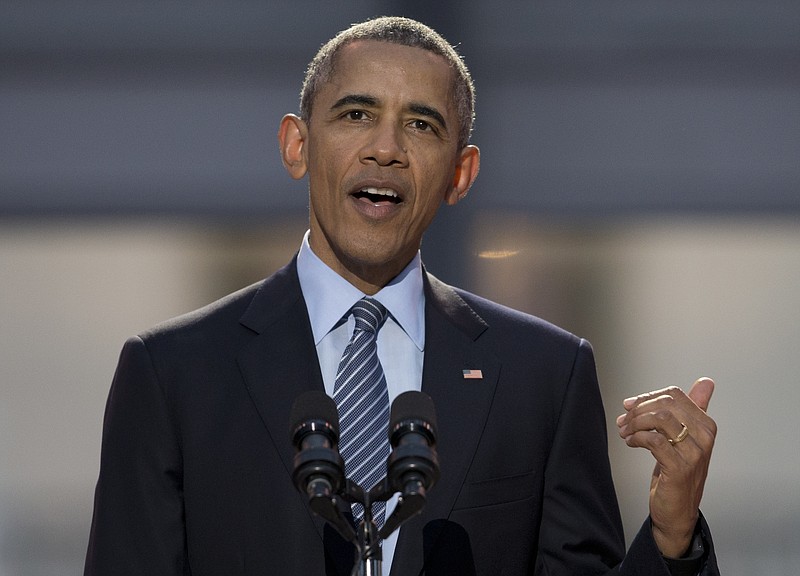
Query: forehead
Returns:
{"type": "Point", "coordinates": [388, 69]}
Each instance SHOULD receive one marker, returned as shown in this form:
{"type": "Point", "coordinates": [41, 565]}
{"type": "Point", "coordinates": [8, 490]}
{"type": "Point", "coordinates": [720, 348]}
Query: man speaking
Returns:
{"type": "Point", "coordinates": [196, 466]}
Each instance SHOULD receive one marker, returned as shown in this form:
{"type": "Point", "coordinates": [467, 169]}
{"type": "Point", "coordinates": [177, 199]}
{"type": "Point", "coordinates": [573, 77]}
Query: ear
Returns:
{"type": "Point", "coordinates": [292, 136]}
{"type": "Point", "coordinates": [467, 167]}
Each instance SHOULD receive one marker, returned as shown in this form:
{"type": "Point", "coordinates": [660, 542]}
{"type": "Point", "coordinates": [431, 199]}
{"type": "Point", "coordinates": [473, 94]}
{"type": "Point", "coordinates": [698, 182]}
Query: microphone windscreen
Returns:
{"type": "Point", "coordinates": [313, 405]}
{"type": "Point", "coordinates": [413, 406]}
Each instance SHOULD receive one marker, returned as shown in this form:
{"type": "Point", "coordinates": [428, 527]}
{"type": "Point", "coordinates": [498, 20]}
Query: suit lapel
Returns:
{"type": "Point", "coordinates": [462, 406]}
{"type": "Point", "coordinates": [279, 363]}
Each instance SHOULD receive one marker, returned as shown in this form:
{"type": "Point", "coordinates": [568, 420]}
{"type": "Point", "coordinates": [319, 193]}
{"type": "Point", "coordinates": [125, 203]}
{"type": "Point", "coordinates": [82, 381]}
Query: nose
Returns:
{"type": "Point", "coordinates": [385, 145]}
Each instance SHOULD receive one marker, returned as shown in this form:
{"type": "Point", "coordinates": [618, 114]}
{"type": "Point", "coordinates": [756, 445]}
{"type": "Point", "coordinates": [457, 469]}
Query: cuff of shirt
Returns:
{"type": "Point", "coordinates": [692, 562]}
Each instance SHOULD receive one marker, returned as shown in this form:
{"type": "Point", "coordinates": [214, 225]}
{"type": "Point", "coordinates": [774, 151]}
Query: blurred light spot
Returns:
{"type": "Point", "coordinates": [497, 254]}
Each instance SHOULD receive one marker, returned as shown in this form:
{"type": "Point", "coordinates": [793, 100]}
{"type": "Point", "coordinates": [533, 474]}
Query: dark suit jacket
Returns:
{"type": "Point", "coordinates": [196, 461]}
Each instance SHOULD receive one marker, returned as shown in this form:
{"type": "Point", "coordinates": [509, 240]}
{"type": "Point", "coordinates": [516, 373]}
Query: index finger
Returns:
{"type": "Point", "coordinates": [700, 394]}
{"type": "Point", "coordinates": [632, 402]}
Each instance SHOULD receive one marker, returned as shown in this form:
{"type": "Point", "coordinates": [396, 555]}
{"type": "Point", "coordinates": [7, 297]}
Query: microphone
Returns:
{"type": "Point", "coordinates": [318, 467]}
{"type": "Point", "coordinates": [413, 466]}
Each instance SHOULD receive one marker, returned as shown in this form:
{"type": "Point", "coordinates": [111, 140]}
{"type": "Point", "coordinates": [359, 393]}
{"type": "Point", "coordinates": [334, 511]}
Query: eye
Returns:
{"type": "Point", "coordinates": [422, 126]}
{"type": "Point", "coordinates": [355, 115]}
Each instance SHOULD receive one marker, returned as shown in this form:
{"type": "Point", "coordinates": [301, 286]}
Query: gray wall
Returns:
{"type": "Point", "coordinates": [584, 107]}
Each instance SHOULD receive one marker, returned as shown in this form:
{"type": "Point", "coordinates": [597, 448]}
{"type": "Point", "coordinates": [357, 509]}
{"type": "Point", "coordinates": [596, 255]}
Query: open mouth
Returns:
{"type": "Point", "coordinates": [378, 195]}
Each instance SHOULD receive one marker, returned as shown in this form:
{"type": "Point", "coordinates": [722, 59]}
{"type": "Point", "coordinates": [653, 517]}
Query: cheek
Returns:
{"type": "Point", "coordinates": [323, 180]}
{"type": "Point", "coordinates": [435, 185]}
{"type": "Point", "coordinates": [325, 156]}
{"type": "Point", "coordinates": [427, 209]}
{"type": "Point", "coordinates": [437, 165]}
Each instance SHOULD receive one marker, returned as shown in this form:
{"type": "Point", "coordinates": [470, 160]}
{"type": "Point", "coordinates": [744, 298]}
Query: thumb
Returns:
{"type": "Point", "coordinates": [701, 392]}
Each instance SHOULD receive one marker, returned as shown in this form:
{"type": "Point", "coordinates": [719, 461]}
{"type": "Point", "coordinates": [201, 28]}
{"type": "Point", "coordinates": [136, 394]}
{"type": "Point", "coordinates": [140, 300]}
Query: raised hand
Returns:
{"type": "Point", "coordinates": [676, 430]}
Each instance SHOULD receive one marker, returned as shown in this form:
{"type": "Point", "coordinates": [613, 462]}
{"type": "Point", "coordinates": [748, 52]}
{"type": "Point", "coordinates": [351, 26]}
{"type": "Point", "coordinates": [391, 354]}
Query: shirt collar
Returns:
{"type": "Point", "coordinates": [329, 297]}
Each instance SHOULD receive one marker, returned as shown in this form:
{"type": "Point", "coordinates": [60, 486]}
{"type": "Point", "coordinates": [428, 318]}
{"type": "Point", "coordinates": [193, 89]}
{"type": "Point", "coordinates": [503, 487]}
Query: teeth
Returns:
{"type": "Point", "coordinates": [381, 192]}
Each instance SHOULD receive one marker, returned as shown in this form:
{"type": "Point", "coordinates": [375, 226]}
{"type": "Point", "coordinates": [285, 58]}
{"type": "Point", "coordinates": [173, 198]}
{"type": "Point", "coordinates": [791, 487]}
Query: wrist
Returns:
{"type": "Point", "coordinates": [673, 544]}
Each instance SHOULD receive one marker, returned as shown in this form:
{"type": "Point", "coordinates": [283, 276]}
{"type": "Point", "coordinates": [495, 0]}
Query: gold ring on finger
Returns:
{"type": "Point", "coordinates": [681, 436]}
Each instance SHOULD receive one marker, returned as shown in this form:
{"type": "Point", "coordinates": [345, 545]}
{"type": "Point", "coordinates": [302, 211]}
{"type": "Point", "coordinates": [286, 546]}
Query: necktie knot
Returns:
{"type": "Point", "coordinates": [369, 314]}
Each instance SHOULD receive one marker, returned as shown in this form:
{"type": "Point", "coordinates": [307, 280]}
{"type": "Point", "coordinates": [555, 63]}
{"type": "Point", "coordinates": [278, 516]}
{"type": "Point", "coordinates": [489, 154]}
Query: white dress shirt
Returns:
{"type": "Point", "coordinates": [401, 340]}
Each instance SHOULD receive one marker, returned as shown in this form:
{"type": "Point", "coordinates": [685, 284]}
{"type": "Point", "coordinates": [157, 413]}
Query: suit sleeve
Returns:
{"type": "Point", "coordinates": [644, 558]}
{"type": "Point", "coordinates": [581, 531]}
{"type": "Point", "coordinates": [138, 522]}
{"type": "Point", "coordinates": [581, 527]}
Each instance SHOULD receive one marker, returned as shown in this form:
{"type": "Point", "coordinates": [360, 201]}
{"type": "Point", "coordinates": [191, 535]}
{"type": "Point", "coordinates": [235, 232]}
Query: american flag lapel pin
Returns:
{"type": "Point", "coordinates": [472, 374]}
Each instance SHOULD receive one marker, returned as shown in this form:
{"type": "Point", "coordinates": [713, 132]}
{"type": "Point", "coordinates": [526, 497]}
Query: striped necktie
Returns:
{"type": "Point", "coordinates": [363, 401]}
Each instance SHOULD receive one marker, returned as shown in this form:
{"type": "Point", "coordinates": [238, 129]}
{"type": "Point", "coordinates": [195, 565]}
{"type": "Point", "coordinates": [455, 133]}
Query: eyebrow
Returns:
{"type": "Point", "coordinates": [429, 112]}
{"type": "Point", "coordinates": [365, 100]}
{"type": "Point", "coordinates": [350, 99]}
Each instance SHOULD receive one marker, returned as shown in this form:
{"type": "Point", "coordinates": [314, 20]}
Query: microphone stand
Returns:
{"type": "Point", "coordinates": [368, 538]}
{"type": "Point", "coordinates": [370, 551]}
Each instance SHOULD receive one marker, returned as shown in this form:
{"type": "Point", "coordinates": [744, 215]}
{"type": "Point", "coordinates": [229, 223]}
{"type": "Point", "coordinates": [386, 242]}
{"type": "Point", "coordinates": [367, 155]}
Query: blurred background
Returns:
{"type": "Point", "coordinates": [640, 186]}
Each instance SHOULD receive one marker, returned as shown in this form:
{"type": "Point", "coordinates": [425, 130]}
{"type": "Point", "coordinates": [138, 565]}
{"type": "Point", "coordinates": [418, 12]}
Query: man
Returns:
{"type": "Point", "coordinates": [196, 465]}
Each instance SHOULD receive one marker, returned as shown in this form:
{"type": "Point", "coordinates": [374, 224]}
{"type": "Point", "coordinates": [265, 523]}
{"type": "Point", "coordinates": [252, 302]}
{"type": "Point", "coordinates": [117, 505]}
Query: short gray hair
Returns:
{"type": "Point", "coordinates": [405, 32]}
